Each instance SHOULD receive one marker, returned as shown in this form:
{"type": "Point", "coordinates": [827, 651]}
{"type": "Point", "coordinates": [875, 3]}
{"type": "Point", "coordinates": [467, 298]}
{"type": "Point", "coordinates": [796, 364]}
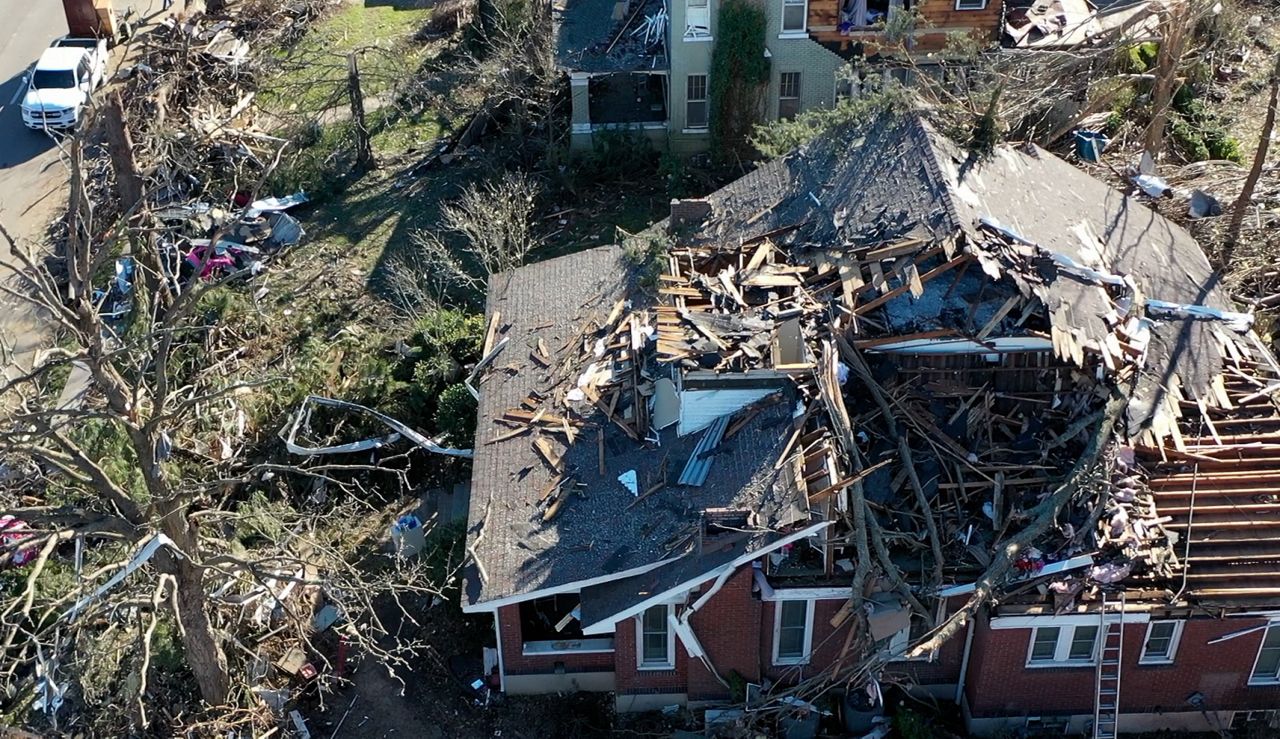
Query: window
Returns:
{"type": "Point", "coordinates": [58, 79]}
{"type": "Point", "coordinates": [895, 647]}
{"type": "Point", "coordinates": [971, 4]}
{"type": "Point", "coordinates": [1082, 640]}
{"type": "Point", "coordinates": [794, 15]}
{"type": "Point", "coordinates": [696, 101]}
{"type": "Point", "coordinates": [654, 644]}
{"type": "Point", "coordinates": [1062, 646]}
{"type": "Point", "coordinates": [1266, 670]}
{"type": "Point", "coordinates": [1161, 642]}
{"type": "Point", "coordinates": [788, 95]}
{"type": "Point", "coordinates": [697, 16]}
{"type": "Point", "coordinates": [792, 632]}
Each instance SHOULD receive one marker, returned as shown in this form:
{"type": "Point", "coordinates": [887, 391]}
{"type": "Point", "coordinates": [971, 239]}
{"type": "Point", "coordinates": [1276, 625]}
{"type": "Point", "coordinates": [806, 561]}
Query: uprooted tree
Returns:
{"type": "Point", "coordinates": [153, 540]}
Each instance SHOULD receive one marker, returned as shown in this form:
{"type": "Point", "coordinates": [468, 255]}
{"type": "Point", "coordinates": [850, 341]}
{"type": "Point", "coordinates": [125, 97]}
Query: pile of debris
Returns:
{"type": "Point", "coordinates": [185, 146]}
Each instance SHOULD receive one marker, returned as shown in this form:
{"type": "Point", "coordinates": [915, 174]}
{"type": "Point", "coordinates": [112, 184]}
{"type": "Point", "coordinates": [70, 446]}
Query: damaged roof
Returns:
{"type": "Point", "coordinates": [877, 316]}
{"type": "Point", "coordinates": [592, 36]}
{"type": "Point", "coordinates": [600, 527]}
{"type": "Point", "coordinates": [900, 178]}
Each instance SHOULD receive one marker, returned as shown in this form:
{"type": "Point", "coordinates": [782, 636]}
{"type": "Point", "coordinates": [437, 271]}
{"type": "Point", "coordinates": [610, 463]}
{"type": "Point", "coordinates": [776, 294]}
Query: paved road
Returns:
{"type": "Point", "coordinates": [32, 177]}
{"type": "Point", "coordinates": [31, 174]}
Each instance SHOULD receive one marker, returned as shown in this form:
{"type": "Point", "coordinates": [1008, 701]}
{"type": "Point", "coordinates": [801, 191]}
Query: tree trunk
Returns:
{"type": "Point", "coordinates": [364, 149]}
{"type": "Point", "coordinates": [203, 653]}
{"type": "Point", "coordinates": [131, 191]}
{"type": "Point", "coordinates": [128, 178]}
{"type": "Point", "coordinates": [1171, 46]}
{"type": "Point", "coordinates": [1255, 172]}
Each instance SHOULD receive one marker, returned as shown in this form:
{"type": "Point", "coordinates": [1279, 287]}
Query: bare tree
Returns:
{"type": "Point", "coordinates": [139, 504]}
{"type": "Point", "coordinates": [1259, 161]}
{"type": "Point", "coordinates": [486, 231]}
{"type": "Point", "coordinates": [1176, 25]}
{"type": "Point", "coordinates": [515, 69]}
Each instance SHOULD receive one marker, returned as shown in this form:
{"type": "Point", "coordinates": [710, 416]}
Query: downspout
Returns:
{"type": "Point", "coordinates": [502, 670]}
{"type": "Point", "coordinates": [964, 665]}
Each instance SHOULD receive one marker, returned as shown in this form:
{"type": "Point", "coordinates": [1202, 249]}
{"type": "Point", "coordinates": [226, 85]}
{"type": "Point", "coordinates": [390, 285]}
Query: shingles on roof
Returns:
{"type": "Point", "coordinates": [901, 174]}
{"type": "Point", "coordinates": [602, 601]}
{"type": "Point", "coordinates": [850, 188]}
{"type": "Point", "coordinates": [598, 531]}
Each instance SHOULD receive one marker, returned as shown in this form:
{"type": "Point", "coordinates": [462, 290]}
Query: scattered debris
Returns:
{"type": "Point", "coordinates": [303, 419]}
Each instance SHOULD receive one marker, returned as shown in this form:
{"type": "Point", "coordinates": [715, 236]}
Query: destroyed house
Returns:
{"type": "Point", "coordinates": [880, 382]}
{"type": "Point", "coordinates": [1065, 24]}
{"type": "Point", "coordinates": [858, 27]}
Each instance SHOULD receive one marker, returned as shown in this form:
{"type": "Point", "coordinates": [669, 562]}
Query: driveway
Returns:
{"type": "Point", "coordinates": [32, 177]}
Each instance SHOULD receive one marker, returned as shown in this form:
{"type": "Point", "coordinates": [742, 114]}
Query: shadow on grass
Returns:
{"type": "Point", "coordinates": [400, 4]}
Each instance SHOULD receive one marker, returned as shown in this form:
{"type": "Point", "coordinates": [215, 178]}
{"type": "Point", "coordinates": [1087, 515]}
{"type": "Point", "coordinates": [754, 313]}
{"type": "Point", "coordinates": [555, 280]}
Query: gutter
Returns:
{"type": "Point", "coordinates": [606, 625]}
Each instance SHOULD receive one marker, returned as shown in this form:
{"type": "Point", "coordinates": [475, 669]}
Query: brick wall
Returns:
{"type": "Point", "coordinates": [633, 681]}
{"type": "Point", "coordinates": [816, 64]}
{"type": "Point", "coordinates": [514, 661]}
{"type": "Point", "coordinates": [726, 627]}
{"type": "Point", "coordinates": [999, 682]}
{"type": "Point", "coordinates": [827, 642]}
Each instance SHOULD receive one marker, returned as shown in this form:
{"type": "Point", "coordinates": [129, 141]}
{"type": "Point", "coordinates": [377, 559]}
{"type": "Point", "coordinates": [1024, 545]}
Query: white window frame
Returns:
{"type": "Point", "coordinates": [705, 100]}
{"type": "Point", "coordinates": [1174, 640]}
{"type": "Point", "coordinates": [1253, 677]}
{"type": "Point", "coordinates": [962, 5]}
{"type": "Point", "coordinates": [807, 654]}
{"type": "Point", "coordinates": [803, 30]}
{"type": "Point", "coordinates": [1062, 649]}
{"type": "Point", "coordinates": [798, 92]}
{"type": "Point", "coordinates": [700, 11]}
{"type": "Point", "coordinates": [670, 662]}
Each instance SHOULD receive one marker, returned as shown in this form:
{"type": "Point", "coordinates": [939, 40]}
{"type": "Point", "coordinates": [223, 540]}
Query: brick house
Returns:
{"type": "Point", "coordinates": [666, 488]}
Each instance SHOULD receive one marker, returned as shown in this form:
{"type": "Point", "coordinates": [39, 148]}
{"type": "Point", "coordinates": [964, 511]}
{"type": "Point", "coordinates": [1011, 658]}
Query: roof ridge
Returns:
{"type": "Point", "coordinates": [925, 140]}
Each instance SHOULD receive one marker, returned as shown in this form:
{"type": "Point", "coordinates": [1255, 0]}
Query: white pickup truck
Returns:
{"type": "Point", "coordinates": [66, 74]}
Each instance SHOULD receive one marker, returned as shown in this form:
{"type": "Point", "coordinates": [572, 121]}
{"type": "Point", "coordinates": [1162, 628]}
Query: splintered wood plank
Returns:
{"type": "Point", "coordinates": [547, 451]}
{"type": "Point", "coordinates": [931, 274]}
{"type": "Point", "coordinates": [1000, 313]}
{"type": "Point", "coordinates": [898, 249]}
{"type": "Point", "coordinates": [522, 416]}
{"type": "Point", "coordinates": [509, 434]}
{"type": "Point", "coordinates": [877, 277]}
{"type": "Point", "coordinates": [550, 487]}
{"type": "Point", "coordinates": [850, 281]}
{"type": "Point", "coordinates": [912, 274]}
{"type": "Point", "coordinates": [760, 256]}
{"type": "Point", "coordinates": [615, 314]}
{"type": "Point", "coordinates": [491, 333]}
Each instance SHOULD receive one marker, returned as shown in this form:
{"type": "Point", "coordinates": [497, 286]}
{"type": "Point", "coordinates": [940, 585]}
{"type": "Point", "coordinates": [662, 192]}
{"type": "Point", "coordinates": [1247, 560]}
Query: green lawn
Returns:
{"type": "Point", "coordinates": [311, 76]}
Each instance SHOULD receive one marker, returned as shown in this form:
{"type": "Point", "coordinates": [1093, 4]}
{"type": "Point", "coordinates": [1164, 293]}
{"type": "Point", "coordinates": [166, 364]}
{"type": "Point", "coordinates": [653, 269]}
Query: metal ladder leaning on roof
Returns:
{"type": "Point", "coordinates": [1106, 702]}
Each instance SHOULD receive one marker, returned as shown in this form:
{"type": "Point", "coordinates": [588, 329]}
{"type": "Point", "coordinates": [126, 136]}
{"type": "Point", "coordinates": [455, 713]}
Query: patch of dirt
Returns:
{"type": "Point", "coordinates": [435, 702]}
